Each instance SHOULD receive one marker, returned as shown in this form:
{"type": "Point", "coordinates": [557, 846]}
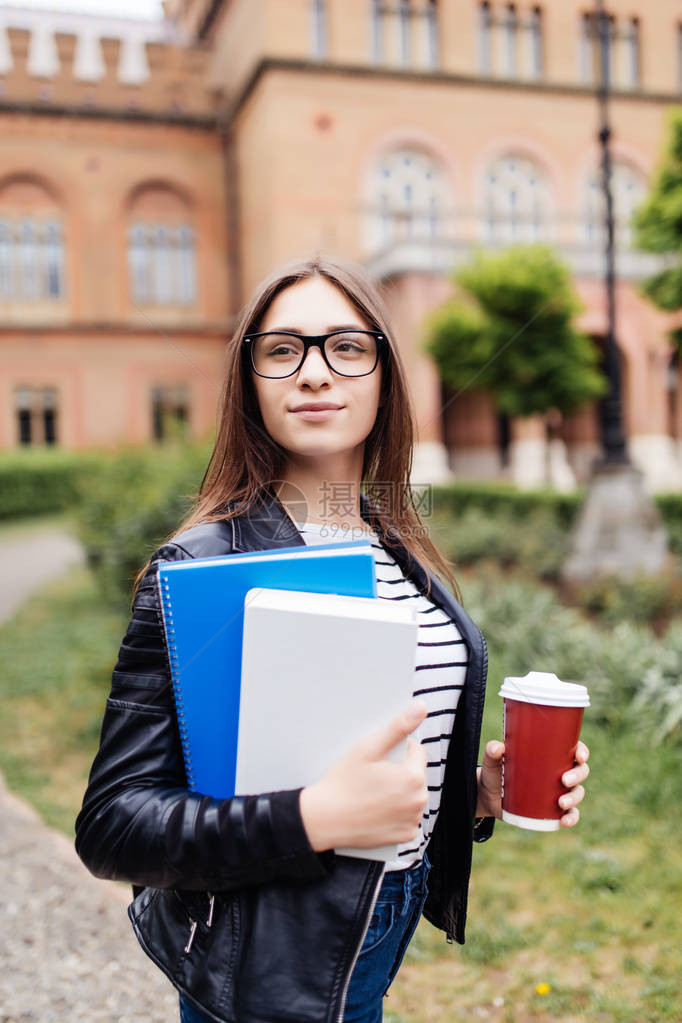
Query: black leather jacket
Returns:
{"type": "Point", "coordinates": [232, 903]}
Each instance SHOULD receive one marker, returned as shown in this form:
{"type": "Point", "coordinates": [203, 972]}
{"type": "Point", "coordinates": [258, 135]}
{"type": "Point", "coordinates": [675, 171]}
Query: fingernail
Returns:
{"type": "Point", "coordinates": [568, 779]}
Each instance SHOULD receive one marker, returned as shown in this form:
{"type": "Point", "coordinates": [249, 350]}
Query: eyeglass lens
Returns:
{"type": "Point", "coordinates": [350, 353]}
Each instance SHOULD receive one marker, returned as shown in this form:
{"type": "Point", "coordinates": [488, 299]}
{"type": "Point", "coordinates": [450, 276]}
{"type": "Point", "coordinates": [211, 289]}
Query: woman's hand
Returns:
{"type": "Point", "coordinates": [490, 784]}
{"type": "Point", "coordinates": [365, 800]}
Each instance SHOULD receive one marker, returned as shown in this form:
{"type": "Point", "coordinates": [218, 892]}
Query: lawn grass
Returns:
{"type": "Point", "coordinates": [57, 655]}
{"type": "Point", "coordinates": [593, 912]}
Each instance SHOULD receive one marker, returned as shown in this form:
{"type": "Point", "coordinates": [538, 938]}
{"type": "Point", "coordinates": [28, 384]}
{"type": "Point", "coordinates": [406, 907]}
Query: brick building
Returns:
{"type": "Point", "coordinates": [151, 173]}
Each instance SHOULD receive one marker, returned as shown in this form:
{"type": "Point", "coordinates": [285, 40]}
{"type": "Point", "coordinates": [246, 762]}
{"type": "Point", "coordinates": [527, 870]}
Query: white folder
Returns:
{"type": "Point", "coordinates": [319, 672]}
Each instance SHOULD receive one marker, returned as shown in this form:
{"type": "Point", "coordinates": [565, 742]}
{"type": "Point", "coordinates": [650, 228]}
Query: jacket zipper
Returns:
{"type": "Point", "coordinates": [192, 933]}
{"type": "Point", "coordinates": [360, 944]}
{"type": "Point", "coordinates": [193, 924]}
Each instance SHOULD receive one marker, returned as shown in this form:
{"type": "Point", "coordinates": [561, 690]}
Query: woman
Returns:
{"type": "Point", "coordinates": [243, 902]}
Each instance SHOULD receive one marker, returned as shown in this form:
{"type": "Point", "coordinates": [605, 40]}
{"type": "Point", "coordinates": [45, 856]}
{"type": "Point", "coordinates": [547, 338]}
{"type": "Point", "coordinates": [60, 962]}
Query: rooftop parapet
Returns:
{"type": "Point", "coordinates": [96, 63]}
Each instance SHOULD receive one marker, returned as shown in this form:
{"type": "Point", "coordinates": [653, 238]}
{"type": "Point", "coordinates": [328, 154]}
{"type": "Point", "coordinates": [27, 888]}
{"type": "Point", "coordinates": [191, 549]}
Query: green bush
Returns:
{"type": "Point", "coordinates": [131, 505]}
{"type": "Point", "coordinates": [650, 600]}
{"type": "Point", "coordinates": [535, 542]}
{"type": "Point", "coordinates": [37, 481]}
{"type": "Point", "coordinates": [633, 677]}
{"type": "Point", "coordinates": [670, 507]}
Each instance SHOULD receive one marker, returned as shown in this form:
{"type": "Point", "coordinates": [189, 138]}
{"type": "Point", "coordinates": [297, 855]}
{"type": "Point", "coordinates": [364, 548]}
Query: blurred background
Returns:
{"type": "Point", "coordinates": [510, 174]}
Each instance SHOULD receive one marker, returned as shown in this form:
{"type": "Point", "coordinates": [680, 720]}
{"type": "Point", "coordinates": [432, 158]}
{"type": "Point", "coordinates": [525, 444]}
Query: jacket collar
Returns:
{"type": "Point", "coordinates": [268, 526]}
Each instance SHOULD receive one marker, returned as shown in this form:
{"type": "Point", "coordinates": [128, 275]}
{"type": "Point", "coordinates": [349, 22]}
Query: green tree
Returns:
{"type": "Point", "coordinates": [511, 334]}
{"type": "Point", "coordinates": [658, 224]}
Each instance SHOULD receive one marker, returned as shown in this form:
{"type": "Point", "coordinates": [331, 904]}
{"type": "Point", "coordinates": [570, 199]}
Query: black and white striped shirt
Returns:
{"type": "Point", "coordinates": [440, 667]}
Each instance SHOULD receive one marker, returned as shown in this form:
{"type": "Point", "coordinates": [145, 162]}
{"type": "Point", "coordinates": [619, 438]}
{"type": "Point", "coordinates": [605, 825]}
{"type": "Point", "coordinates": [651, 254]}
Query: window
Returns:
{"type": "Point", "coordinates": [377, 31]}
{"type": "Point", "coordinates": [161, 264]}
{"type": "Point", "coordinates": [36, 415]}
{"type": "Point", "coordinates": [515, 201]}
{"type": "Point", "coordinates": [187, 281]}
{"type": "Point", "coordinates": [510, 33]}
{"type": "Point", "coordinates": [586, 49]}
{"type": "Point", "coordinates": [509, 40]}
{"type": "Point", "coordinates": [404, 33]}
{"type": "Point", "coordinates": [628, 189]}
{"type": "Point", "coordinates": [318, 29]}
{"type": "Point", "coordinates": [54, 259]}
{"type": "Point", "coordinates": [630, 41]}
{"type": "Point", "coordinates": [32, 263]}
{"type": "Point", "coordinates": [170, 411]}
{"type": "Point", "coordinates": [590, 48]}
{"type": "Point", "coordinates": [161, 250]}
{"type": "Point", "coordinates": [431, 21]}
{"type": "Point", "coordinates": [403, 13]}
{"type": "Point", "coordinates": [408, 199]}
{"type": "Point", "coordinates": [6, 260]}
{"type": "Point", "coordinates": [485, 25]}
{"type": "Point", "coordinates": [534, 43]}
{"type": "Point", "coordinates": [31, 259]}
{"type": "Point", "coordinates": [139, 263]}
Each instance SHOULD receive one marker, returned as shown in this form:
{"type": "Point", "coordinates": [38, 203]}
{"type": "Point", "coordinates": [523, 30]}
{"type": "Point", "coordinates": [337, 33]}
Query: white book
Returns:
{"type": "Point", "coordinates": [319, 672]}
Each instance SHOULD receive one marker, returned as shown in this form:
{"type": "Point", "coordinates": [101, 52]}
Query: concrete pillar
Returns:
{"type": "Point", "coordinates": [560, 473]}
{"type": "Point", "coordinates": [657, 456]}
{"type": "Point", "coordinates": [528, 452]}
{"type": "Point", "coordinates": [410, 298]}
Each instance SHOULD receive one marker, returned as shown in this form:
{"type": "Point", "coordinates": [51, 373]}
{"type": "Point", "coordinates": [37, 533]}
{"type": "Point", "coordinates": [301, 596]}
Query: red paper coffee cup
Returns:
{"type": "Point", "coordinates": [542, 719]}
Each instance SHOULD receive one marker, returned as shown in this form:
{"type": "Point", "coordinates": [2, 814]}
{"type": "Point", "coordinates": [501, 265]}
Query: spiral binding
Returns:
{"type": "Point", "coordinates": [175, 678]}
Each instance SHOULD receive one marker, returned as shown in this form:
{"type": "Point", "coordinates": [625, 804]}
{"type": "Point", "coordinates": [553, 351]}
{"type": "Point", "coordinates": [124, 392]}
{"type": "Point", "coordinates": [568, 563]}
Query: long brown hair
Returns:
{"type": "Point", "coordinates": [245, 460]}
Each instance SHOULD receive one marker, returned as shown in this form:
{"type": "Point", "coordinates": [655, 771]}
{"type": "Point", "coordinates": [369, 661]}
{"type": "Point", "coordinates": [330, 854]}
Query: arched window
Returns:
{"type": "Point", "coordinates": [628, 188]}
{"type": "Point", "coordinates": [31, 243]}
{"type": "Point", "coordinates": [515, 201]}
{"type": "Point", "coordinates": [408, 198]}
{"type": "Point", "coordinates": [161, 248]}
{"type": "Point", "coordinates": [28, 259]}
{"type": "Point", "coordinates": [54, 258]}
{"type": "Point", "coordinates": [6, 260]}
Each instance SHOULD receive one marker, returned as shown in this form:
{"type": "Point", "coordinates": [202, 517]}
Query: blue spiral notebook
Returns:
{"type": "Point", "coordinates": [203, 613]}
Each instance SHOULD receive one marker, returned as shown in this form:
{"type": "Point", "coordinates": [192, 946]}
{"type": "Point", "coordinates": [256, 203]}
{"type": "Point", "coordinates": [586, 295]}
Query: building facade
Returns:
{"type": "Point", "coordinates": [152, 173]}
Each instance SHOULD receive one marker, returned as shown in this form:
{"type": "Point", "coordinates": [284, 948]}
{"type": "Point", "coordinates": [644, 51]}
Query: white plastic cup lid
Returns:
{"type": "Point", "coordinates": [545, 688]}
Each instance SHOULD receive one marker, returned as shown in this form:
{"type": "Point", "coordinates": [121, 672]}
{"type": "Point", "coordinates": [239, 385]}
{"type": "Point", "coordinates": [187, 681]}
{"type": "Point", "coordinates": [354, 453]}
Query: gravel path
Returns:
{"type": "Point", "coordinates": [30, 559]}
{"type": "Point", "coordinates": [67, 950]}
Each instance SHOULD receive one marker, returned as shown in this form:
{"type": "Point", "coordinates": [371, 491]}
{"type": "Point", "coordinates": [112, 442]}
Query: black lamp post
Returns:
{"type": "Point", "coordinates": [613, 438]}
{"type": "Point", "coordinates": [619, 529]}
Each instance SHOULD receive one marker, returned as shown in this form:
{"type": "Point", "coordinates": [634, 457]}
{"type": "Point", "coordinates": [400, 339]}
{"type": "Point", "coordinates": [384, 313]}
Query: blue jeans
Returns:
{"type": "Point", "coordinates": [396, 914]}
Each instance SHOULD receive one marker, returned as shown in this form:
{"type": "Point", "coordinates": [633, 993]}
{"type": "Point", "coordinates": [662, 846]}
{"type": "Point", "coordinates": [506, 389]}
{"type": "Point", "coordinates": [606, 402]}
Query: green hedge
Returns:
{"type": "Point", "coordinates": [493, 498]}
{"type": "Point", "coordinates": [503, 498]}
{"type": "Point", "coordinates": [41, 480]}
{"type": "Point", "coordinates": [131, 504]}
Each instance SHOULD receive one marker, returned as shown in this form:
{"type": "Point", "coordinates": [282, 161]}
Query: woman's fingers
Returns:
{"type": "Point", "coordinates": [575, 775]}
{"type": "Point", "coordinates": [572, 798]}
{"type": "Point", "coordinates": [572, 780]}
{"type": "Point", "coordinates": [570, 819]}
{"type": "Point", "coordinates": [581, 752]}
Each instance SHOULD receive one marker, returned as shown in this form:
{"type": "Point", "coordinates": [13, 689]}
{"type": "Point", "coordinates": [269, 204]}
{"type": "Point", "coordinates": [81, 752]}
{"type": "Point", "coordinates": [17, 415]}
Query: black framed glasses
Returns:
{"type": "Point", "coordinates": [281, 353]}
